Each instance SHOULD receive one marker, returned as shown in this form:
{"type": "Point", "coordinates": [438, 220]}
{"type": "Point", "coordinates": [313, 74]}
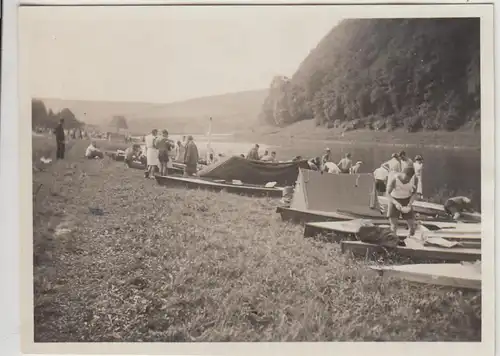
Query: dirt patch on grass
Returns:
{"type": "Point", "coordinates": [140, 262]}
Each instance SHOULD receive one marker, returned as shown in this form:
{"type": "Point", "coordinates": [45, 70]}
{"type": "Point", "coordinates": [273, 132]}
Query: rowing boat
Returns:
{"type": "Point", "coordinates": [199, 183]}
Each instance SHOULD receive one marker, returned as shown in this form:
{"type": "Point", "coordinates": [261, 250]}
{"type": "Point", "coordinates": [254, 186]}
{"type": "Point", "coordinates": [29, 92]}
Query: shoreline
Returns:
{"type": "Point", "coordinates": [304, 132]}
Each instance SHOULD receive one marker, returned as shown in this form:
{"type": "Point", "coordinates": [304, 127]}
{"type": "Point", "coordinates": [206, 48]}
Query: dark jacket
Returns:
{"type": "Point", "coordinates": [59, 132]}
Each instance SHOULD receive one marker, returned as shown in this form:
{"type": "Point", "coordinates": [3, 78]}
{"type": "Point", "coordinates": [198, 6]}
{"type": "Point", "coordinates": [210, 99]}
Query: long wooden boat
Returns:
{"type": "Point", "coordinates": [349, 229]}
{"type": "Point", "coordinates": [427, 208]}
{"type": "Point", "coordinates": [176, 170]}
{"type": "Point", "coordinates": [467, 276]}
{"type": "Point", "coordinates": [198, 183]}
{"type": "Point", "coordinates": [421, 253]}
{"type": "Point", "coordinates": [304, 216]}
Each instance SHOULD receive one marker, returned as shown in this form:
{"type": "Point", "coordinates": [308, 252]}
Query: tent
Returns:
{"type": "Point", "coordinates": [328, 192]}
{"type": "Point", "coordinates": [254, 172]}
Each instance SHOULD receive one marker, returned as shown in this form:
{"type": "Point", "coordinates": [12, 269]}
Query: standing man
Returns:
{"type": "Point", "coordinates": [405, 161]}
{"type": "Point", "coordinates": [253, 154]}
{"type": "Point", "coordinates": [163, 146]}
{"type": "Point", "coordinates": [60, 138]}
{"type": "Point", "coordinates": [327, 157]}
{"type": "Point", "coordinates": [151, 154]}
{"type": "Point", "coordinates": [401, 192]}
{"type": "Point", "coordinates": [345, 164]}
{"type": "Point", "coordinates": [191, 157]}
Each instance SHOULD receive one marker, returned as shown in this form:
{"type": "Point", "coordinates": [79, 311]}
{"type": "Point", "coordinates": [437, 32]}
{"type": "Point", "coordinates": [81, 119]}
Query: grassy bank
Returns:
{"type": "Point", "coordinates": [164, 264]}
{"type": "Point", "coordinates": [307, 131]}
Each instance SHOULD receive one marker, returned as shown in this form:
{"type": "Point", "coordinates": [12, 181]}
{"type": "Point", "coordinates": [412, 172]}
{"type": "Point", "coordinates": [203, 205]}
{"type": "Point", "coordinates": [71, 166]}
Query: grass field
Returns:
{"type": "Point", "coordinates": [164, 264]}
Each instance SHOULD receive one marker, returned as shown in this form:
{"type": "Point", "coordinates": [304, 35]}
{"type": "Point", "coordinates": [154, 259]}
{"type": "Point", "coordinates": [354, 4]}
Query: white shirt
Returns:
{"type": "Point", "coordinates": [381, 173]}
{"type": "Point", "coordinates": [149, 141]}
{"type": "Point", "coordinates": [418, 169]}
{"type": "Point", "coordinates": [403, 190]}
{"type": "Point", "coordinates": [331, 167]}
{"type": "Point", "coordinates": [89, 150]}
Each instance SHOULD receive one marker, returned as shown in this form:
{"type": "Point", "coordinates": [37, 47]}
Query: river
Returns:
{"type": "Point", "coordinates": [448, 171]}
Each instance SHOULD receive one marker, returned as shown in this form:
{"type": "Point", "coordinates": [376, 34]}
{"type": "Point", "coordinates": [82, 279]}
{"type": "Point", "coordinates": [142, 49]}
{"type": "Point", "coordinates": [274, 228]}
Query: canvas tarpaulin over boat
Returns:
{"type": "Point", "coordinates": [254, 172]}
{"type": "Point", "coordinates": [333, 192]}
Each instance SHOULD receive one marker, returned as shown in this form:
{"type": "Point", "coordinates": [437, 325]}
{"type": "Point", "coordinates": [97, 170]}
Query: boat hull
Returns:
{"type": "Point", "coordinates": [196, 183]}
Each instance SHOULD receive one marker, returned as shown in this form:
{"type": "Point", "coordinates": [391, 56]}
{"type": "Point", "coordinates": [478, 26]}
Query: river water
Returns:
{"type": "Point", "coordinates": [448, 171]}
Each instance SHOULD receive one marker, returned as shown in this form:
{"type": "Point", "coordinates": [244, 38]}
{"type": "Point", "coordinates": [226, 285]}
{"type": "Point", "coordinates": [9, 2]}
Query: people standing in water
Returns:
{"type": "Point", "coordinates": [60, 139]}
{"type": "Point", "coordinates": [151, 154]}
{"type": "Point", "coordinates": [191, 157]}
{"type": "Point", "coordinates": [345, 164]}
{"type": "Point", "coordinates": [401, 192]}
{"type": "Point", "coordinates": [253, 154]}
{"type": "Point", "coordinates": [162, 144]}
{"type": "Point", "coordinates": [418, 165]}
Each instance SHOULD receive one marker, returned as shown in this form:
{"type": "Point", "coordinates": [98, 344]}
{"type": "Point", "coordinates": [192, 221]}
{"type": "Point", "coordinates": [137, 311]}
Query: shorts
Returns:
{"type": "Point", "coordinates": [393, 212]}
{"type": "Point", "coordinates": [380, 186]}
{"type": "Point", "coordinates": [344, 171]}
{"type": "Point", "coordinates": [163, 157]}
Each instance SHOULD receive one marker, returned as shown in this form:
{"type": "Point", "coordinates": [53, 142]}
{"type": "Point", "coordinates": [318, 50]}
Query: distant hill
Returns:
{"type": "Point", "coordinates": [229, 112]}
{"type": "Point", "coordinates": [384, 74]}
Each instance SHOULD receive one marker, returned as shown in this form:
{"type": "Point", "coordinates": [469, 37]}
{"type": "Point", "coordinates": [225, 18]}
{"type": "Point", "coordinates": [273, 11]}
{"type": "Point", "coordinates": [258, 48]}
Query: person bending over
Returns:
{"type": "Point", "coordinates": [457, 205]}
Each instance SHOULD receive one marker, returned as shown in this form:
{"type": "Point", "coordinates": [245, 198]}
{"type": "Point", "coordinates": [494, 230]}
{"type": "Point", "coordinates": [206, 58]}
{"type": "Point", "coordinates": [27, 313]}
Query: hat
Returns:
{"type": "Point", "coordinates": [327, 149]}
{"type": "Point", "coordinates": [394, 155]}
{"type": "Point", "coordinates": [359, 162]}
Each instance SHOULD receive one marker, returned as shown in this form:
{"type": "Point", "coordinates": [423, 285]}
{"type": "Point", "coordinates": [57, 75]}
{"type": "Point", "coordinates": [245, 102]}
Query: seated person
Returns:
{"type": "Point", "coordinates": [457, 205]}
{"type": "Point", "coordinates": [314, 163]}
{"type": "Point", "coordinates": [132, 153]}
{"type": "Point", "coordinates": [269, 157]}
{"type": "Point", "coordinates": [93, 152]}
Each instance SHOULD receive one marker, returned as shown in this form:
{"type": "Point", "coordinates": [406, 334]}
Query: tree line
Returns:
{"type": "Point", "coordinates": [383, 74]}
{"type": "Point", "coordinates": [43, 118]}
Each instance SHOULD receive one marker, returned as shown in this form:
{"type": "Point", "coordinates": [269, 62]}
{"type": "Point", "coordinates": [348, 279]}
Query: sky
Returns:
{"type": "Point", "coordinates": [165, 54]}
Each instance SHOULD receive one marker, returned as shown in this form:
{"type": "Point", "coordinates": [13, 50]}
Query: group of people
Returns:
{"type": "Point", "coordinates": [327, 164]}
{"type": "Point", "coordinates": [253, 154]}
{"type": "Point", "coordinates": [158, 150]}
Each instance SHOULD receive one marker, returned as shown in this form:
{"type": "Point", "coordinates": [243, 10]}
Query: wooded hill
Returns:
{"type": "Point", "coordinates": [384, 74]}
{"type": "Point", "coordinates": [230, 112]}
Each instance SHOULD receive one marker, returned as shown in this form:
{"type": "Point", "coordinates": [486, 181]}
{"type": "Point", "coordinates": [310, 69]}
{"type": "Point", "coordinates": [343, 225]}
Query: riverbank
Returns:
{"type": "Point", "coordinates": [165, 264]}
{"type": "Point", "coordinates": [306, 131]}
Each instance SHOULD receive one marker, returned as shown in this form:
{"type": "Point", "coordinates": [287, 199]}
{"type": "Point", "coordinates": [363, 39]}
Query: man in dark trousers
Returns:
{"type": "Point", "coordinates": [59, 132]}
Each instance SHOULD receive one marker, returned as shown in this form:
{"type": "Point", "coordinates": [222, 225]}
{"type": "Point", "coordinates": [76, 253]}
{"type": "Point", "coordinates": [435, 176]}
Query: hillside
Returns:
{"type": "Point", "coordinates": [385, 74]}
{"type": "Point", "coordinates": [229, 111]}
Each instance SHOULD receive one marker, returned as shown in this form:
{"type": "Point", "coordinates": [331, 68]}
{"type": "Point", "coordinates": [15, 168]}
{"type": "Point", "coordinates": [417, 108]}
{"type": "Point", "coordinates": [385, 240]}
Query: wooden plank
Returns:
{"type": "Point", "coordinates": [305, 216]}
{"type": "Point", "coordinates": [426, 253]}
{"type": "Point", "coordinates": [452, 275]}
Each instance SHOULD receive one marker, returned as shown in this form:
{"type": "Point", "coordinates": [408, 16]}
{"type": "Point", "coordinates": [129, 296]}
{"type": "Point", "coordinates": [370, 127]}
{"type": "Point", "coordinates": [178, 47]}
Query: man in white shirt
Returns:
{"type": "Point", "coordinates": [381, 174]}
{"type": "Point", "coordinates": [93, 152]}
